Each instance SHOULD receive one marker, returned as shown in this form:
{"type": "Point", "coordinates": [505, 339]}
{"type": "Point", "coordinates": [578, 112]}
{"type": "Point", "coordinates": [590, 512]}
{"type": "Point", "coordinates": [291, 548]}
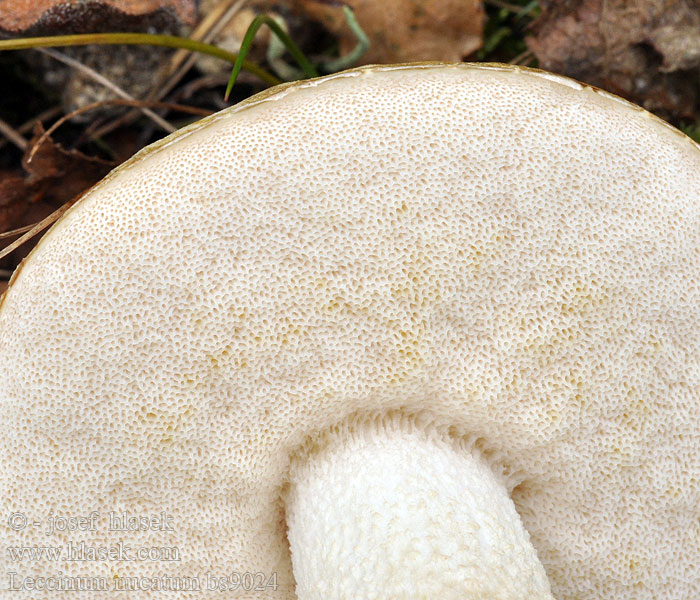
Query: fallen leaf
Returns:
{"type": "Point", "coordinates": [406, 30]}
{"type": "Point", "coordinates": [53, 16]}
{"type": "Point", "coordinates": [56, 174]}
{"type": "Point", "coordinates": [647, 51]}
{"type": "Point", "coordinates": [53, 177]}
{"type": "Point", "coordinates": [13, 194]}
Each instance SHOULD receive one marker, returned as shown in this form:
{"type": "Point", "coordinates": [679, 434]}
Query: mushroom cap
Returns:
{"type": "Point", "coordinates": [501, 253]}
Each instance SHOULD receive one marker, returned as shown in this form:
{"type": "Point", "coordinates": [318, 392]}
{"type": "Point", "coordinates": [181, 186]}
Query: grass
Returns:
{"type": "Point", "coordinates": [505, 30]}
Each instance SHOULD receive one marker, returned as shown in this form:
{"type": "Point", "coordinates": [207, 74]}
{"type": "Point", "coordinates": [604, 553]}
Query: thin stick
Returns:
{"type": "Point", "coordinates": [31, 230]}
{"type": "Point", "coordinates": [13, 135]}
{"type": "Point", "coordinates": [523, 57]}
{"type": "Point", "coordinates": [115, 101]}
{"type": "Point", "coordinates": [102, 80]}
{"type": "Point", "coordinates": [43, 224]}
{"type": "Point", "coordinates": [14, 232]}
{"type": "Point", "coordinates": [206, 31]}
{"type": "Point", "coordinates": [27, 126]}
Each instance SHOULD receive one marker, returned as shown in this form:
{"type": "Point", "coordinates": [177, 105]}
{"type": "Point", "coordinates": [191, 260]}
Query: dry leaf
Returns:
{"type": "Point", "coordinates": [56, 174]}
{"type": "Point", "coordinates": [406, 30]}
{"type": "Point", "coordinates": [52, 16]}
{"type": "Point", "coordinates": [647, 50]}
{"type": "Point", "coordinates": [13, 194]}
{"type": "Point", "coordinates": [16, 210]}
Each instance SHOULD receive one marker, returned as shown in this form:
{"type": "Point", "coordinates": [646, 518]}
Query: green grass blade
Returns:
{"type": "Point", "coordinates": [293, 49]}
{"type": "Point", "coordinates": [145, 39]}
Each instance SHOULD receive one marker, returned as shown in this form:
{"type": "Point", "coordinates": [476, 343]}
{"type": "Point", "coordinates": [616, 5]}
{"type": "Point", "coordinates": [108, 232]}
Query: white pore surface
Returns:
{"type": "Point", "coordinates": [407, 516]}
{"type": "Point", "coordinates": [493, 251]}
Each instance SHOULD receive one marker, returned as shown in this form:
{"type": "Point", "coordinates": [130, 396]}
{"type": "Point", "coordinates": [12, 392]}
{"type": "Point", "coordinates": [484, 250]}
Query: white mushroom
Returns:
{"type": "Point", "coordinates": [422, 331]}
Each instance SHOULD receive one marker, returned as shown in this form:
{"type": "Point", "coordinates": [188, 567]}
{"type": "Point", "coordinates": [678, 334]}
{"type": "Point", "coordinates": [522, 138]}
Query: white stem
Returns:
{"type": "Point", "coordinates": [396, 514]}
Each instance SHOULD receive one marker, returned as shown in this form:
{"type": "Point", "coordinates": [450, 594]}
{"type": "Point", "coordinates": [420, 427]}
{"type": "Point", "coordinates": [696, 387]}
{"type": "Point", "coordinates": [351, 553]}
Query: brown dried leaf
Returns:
{"type": "Point", "coordinates": [53, 16]}
{"type": "Point", "coordinates": [56, 174]}
{"type": "Point", "coordinates": [406, 30]}
{"type": "Point", "coordinates": [17, 209]}
{"type": "Point", "coordinates": [647, 50]}
{"type": "Point", "coordinates": [13, 194]}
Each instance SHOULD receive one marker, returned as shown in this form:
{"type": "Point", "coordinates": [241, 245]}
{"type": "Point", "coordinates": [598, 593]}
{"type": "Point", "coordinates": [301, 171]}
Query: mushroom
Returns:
{"type": "Point", "coordinates": [414, 331]}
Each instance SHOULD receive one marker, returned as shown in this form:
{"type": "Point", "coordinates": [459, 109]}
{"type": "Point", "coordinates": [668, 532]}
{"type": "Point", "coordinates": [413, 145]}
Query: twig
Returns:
{"type": "Point", "coordinates": [118, 102]}
{"type": "Point", "coordinates": [206, 31]}
{"type": "Point", "coordinates": [14, 232]}
{"type": "Point", "coordinates": [186, 46]}
{"type": "Point", "coordinates": [102, 80]}
{"type": "Point", "coordinates": [27, 126]}
{"type": "Point", "coordinates": [32, 230]}
{"type": "Point", "coordinates": [522, 58]}
{"type": "Point", "coordinates": [188, 90]}
{"type": "Point", "coordinates": [43, 224]}
{"type": "Point", "coordinates": [13, 135]}
{"type": "Point", "coordinates": [93, 133]}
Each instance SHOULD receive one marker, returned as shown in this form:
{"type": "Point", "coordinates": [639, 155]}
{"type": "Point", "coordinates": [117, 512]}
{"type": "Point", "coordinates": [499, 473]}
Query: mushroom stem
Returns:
{"type": "Point", "coordinates": [397, 514]}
